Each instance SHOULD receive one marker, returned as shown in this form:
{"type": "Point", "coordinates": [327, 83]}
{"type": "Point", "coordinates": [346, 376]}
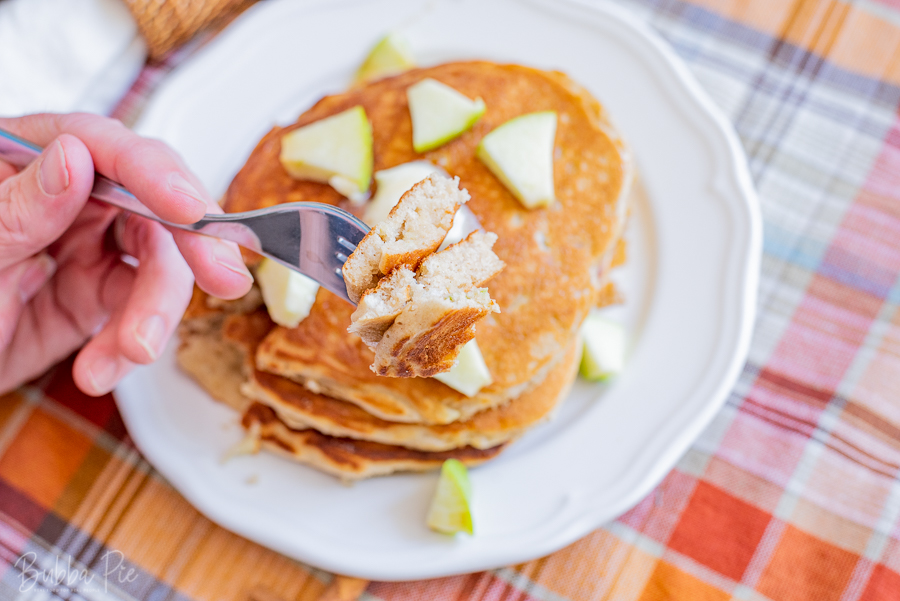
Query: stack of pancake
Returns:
{"type": "Point", "coordinates": [308, 391]}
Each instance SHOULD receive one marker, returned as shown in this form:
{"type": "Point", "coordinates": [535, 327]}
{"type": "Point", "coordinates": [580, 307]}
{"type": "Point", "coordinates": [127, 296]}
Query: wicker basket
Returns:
{"type": "Point", "coordinates": [167, 24]}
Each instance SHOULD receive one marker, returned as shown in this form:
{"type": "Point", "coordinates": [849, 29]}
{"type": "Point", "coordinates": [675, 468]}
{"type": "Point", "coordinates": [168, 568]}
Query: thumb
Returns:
{"type": "Point", "coordinates": [40, 202]}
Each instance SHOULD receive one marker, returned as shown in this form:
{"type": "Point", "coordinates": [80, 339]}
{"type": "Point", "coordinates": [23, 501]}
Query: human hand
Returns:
{"type": "Point", "coordinates": [62, 278]}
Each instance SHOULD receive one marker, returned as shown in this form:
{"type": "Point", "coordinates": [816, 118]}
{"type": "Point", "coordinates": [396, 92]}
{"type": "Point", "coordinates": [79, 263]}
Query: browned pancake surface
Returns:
{"type": "Point", "coordinates": [546, 289]}
{"type": "Point", "coordinates": [349, 458]}
{"type": "Point", "coordinates": [210, 334]}
{"type": "Point", "coordinates": [300, 408]}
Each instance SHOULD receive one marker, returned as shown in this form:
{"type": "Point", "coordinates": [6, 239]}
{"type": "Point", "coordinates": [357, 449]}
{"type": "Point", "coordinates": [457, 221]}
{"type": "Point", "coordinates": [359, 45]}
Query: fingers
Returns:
{"type": "Point", "coordinates": [75, 309]}
{"type": "Point", "coordinates": [71, 308]}
{"type": "Point", "coordinates": [98, 366]}
{"type": "Point", "coordinates": [149, 169]}
{"type": "Point", "coordinates": [148, 305]}
{"type": "Point", "coordinates": [156, 175]}
{"type": "Point", "coordinates": [154, 300]}
{"type": "Point", "coordinates": [217, 265]}
{"type": "Point", "coordinates": [159, 295]}
{"type": "Point", "coordinates": [130, 314]}
{"type": "Point", "coordinates": [38, 204]}
{"type": "Point", "coordinates": [90, 283]}
{"type": "Point", "coordinates": [18, 285]}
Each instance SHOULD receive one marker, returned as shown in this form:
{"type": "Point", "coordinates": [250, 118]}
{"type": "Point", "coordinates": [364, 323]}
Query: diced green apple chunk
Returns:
{"type": "Point", "coordinates": [336, 150]}
{"type": "Point", "coordinates": [288, 295]}
{"type": "Point", "coordinates": [439, 113]}
{"type": "Point", "coordinates": [604, 347]}
{"type": "Point", "coordinates": [451, 510]}
{"type": "Point", "coordinates": [390, 56]}
{"type": "Point", "coordinates": [520, 154]}
{"type": "Point", "coordinates": [391, 184]}
{"type": "Point", "coordinates": [470, 373]}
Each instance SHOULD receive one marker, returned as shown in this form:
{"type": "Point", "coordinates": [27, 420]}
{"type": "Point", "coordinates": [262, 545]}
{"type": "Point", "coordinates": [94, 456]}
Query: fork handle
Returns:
{"type": "Point", "coordinates": [16, 151]}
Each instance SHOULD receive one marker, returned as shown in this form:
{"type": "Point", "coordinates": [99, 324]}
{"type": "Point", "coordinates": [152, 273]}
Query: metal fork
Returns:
{"type": "Point", "coordinates": [310, 237]}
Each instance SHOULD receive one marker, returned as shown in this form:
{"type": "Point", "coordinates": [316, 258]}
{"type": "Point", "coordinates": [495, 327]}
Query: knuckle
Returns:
{"type": "Point", "coordinates": [155, 144]}
{"type": "Point", "coordinates": [115, 123]}
{"type": "Point", "coordinates": [73, 121]}
{"type": "Point", "coordinates": [157, 147]}
{"type": "Point", "coordinates": [130, 153]}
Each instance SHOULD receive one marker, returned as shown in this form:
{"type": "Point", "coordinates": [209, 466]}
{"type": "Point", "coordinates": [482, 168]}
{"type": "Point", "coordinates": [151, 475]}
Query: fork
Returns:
{"type": "Point", "coordinates": [309, 237]}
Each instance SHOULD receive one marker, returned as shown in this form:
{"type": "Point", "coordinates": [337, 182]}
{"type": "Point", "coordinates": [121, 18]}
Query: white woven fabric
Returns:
{"type": "Point", "coordinates": [66, 55]}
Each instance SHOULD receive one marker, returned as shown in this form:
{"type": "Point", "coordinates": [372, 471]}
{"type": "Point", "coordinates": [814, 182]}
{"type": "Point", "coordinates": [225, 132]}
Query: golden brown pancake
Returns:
{"type": "Point", "coordinates": [221, 367]}
{"type": "Point", "coordinates": [216, 345]}
{"type": "Point", "coordinates": [299, 408]}
{"type": "Point", "coordinates": [552, 254]}
{"type": "Point", "coordinates": [348, 458]}
{"type": "Point", "coordinates": [237, 336]}
{"type": "Point", "coordinates": [558, 261]}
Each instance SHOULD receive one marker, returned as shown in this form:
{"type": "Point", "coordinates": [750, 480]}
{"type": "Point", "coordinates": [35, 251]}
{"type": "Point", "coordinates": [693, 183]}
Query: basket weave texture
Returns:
{"type": "Point", "coordinates": [167, 24]}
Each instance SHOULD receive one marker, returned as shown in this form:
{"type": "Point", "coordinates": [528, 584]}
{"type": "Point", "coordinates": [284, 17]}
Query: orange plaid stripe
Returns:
{"type": "Point", "coordinates": [792, 493]}
{"type": "Point", "coordinates": [846, 34]}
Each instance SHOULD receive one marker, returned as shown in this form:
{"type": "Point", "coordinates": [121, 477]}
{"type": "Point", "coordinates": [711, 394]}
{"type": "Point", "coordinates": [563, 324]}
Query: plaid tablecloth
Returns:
{"type": "Point", "coordinates": [791, 494]}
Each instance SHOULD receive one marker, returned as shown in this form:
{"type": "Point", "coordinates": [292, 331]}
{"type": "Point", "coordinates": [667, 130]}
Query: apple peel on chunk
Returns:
{"type": "Point", "coordinates": [439, 113]}
{"type": "Point", "coordinates": [392, 55]}
{"type": "Point", "coordinates": [336, 150]}
{"type": "Point", "coordinates": [520, 154]}
{"type": "Point", "coordinates": [604, 348]}
{"type": "Point", "coordinates": [451, 507]}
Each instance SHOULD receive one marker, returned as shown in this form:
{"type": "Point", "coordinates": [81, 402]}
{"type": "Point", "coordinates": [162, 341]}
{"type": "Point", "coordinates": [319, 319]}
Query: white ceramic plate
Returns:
{"type": "Point", "coordinates": [691, 281]}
